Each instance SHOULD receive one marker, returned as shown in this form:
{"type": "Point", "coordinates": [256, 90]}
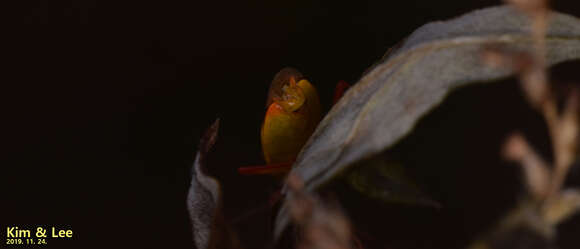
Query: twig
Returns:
{"type": "Point", "coordinates": [563, 129]}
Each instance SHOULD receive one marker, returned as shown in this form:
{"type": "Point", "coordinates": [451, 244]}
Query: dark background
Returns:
{"type": "Point", "coordinates": [107, 100]}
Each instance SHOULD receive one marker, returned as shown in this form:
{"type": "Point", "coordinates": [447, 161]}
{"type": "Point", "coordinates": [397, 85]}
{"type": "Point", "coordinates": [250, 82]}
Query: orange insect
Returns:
{"type": "Point", "coordinates": [293, 112]}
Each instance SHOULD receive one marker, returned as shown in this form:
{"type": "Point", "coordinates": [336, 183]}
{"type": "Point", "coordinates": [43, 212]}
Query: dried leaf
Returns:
{"type": "Point", "coordinates": [438, 57]}
{"type": "Point", "coordinates": [323, 226]}
{"type": "Point", "coordinates": [204, 201]}
{"type": "Point", "coordinates": [386, 180]}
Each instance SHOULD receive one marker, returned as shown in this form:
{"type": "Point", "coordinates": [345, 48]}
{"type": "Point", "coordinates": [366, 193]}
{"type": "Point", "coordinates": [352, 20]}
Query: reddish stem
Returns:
{"type": "Point", "coordinates": [269, 169]}
{"type": "Point", "coordinates": [341, 87]}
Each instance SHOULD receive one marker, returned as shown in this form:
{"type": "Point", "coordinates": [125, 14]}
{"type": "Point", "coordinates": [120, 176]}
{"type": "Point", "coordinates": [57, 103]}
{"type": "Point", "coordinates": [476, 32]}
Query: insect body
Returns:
{"type": "Point", "coordinates": [293, 112]}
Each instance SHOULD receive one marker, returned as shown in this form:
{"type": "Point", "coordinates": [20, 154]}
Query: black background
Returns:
{"type": "Point", "coordinates": [107, 100]}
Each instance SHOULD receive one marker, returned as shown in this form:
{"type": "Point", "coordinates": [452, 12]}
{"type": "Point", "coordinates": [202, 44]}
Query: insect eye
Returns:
{"type": "Point", "coordinates": [292, 98]}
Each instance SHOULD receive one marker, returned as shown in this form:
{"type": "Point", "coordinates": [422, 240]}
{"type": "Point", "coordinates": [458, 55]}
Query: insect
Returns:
{"type": "Point", "coordinates": [293, 111]}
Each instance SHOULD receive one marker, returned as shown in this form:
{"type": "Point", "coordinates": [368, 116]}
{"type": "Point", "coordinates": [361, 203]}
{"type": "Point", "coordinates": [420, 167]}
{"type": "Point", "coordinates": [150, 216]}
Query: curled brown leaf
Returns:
{"type": "Point", "coordinates": [204, 201]}
{"type": "Point", "coordinates": [322, 226]}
